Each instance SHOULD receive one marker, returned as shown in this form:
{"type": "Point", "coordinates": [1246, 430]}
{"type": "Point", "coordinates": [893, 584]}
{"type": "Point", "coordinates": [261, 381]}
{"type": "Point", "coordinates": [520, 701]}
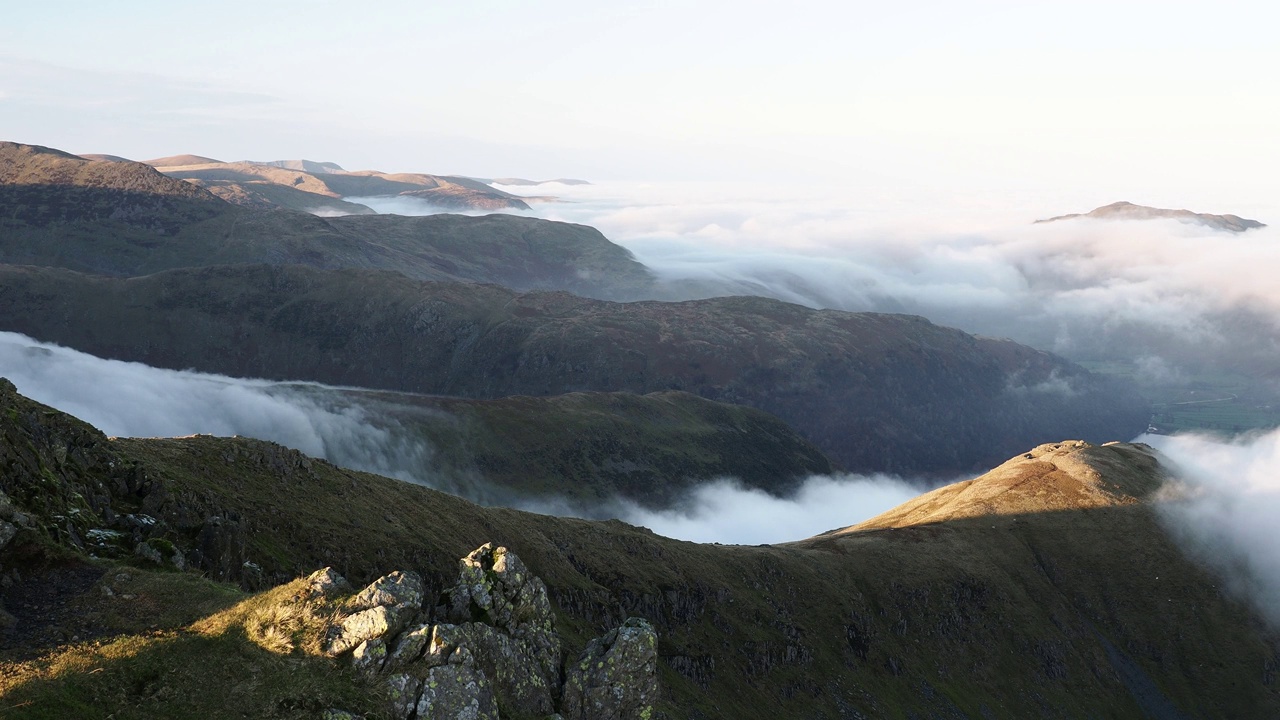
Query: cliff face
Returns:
{"type": "Point", "coordinates": [875, 392]}
{"type": "Point", "coordinates": [1046, 589]}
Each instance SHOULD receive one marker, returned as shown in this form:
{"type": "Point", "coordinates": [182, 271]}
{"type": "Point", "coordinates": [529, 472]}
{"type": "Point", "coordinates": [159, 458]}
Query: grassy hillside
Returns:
{"type": "Point", "coordinates": [444, 192]}
{"type": "Point", "coordinates": [596, 447]}
{"type": "Point", "coordinates": [875, 392]}
{"type": "Point", "coordinates": [126, 218]}
{"type": "Point", "coordinates": [1060, 609]}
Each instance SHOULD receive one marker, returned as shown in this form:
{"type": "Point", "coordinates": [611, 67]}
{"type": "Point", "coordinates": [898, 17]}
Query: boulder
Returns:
{"type": "Point", "coordinates": [616, 678]}
{"type": "Point", "coordinates": [397, 588]}
{"type": "Point", "coordinates": [458, 691]}
{"type": "Point", "coordinates": [327, 583]}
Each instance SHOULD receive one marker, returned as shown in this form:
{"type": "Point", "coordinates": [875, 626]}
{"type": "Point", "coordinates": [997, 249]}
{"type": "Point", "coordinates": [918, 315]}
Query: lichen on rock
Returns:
{"type": "Point", "coordinates": [616, 678]}
{"type": "Point", "coordinates": [492, 648]}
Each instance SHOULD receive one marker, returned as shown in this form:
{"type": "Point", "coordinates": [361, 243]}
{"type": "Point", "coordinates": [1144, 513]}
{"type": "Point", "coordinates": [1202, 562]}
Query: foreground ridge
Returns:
{"type": "Point", "coordinates": [1048, 588]}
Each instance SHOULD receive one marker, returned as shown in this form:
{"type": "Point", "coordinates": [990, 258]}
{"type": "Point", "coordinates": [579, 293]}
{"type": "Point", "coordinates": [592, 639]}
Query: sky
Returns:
{"type": "Point", "coordinates": [1166, 99]}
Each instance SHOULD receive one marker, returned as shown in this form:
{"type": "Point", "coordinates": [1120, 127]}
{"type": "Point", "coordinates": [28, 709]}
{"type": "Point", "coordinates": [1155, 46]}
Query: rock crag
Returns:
{"type": "Point", "coordinates": [488, 650]}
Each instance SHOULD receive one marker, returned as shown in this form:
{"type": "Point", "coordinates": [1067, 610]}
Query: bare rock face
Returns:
{"type": "Point", "coordinates": [503, 609]}
{"type": "Point", "coordinates": [457, 691]}
{"type": "Point", "coordinates": [617, 676]}
{"type": "Point", "coordinates": [382, 610]}
{"type": "Point", "coordinates": [490, 650]}
{"type": "Point", "coordinates": [398, 588]}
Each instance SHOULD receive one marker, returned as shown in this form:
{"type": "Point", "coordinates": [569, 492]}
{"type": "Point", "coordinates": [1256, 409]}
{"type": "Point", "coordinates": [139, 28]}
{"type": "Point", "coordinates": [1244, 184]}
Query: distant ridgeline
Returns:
{"type": "Point", "coordinates": [126, 218]}
{"type": "Point", "coordinates": [875, 392]}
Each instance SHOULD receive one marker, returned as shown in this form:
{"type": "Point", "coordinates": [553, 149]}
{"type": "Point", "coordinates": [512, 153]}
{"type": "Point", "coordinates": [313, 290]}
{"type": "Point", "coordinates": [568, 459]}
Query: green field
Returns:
{"type": "Point", "coordinates": [1225, 403]}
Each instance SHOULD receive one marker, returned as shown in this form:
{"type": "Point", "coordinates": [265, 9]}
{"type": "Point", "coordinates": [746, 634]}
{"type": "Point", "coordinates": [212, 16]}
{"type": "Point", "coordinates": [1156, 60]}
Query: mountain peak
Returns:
{"type": "Point", "coordinates": [1056, 477]}
{"type": "Point", "coordinates": [310, 166]}
{"type": "Point", "coordinates": [181, 160]}
{"type": "Point", "coordinates": [1125, 210]}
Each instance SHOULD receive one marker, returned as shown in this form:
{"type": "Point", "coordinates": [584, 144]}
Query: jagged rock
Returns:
{"type": "Point", "coordinates": [409, 646]}
{"type": "Point", "coordinates": [336, 714]}
{"type": "Point", "coordinates": [369, 656]}
{"type": "Point", "coordinates": [512, 665]}
{"type": "Point", "coordinates": [222, 548]}
{"type": "Point", "coordinates": [458, 691]}
{"type": "Point", "coordinates": [384, 608]}
{"type": "Point", "coordinates": [617, 676]}
{"type": "Point", "coordinates": [327, 583]}
{"type": "Point", "coordinates": [501, 612]}
{"type": "Point", "coordinates": [376, 622]}
{"type": "Point", "coordinates": [500, 650]}
{"type": "Point", "coordinates": [403, 692]}
{"type": "Point", "coordinates": [397, 588]}
{"type": "Point", "coordinates": [492, 585]}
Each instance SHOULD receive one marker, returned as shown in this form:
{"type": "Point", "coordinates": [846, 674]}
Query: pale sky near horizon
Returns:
{"type": "Point", "coordinates": [1179, 99]}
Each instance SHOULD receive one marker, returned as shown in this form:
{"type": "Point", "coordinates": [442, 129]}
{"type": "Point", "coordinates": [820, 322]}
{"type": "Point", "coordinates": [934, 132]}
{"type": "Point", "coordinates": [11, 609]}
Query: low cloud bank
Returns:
{"type": "Point", "coordinates": [723, 511]}
{"type": "Point", "coordinates": [412, 206]}
{"type": "Point", "coordinates": [1088, 289]}
{"type": "Point", "coordinates": [134, 400]}
{"type": "Point", "coordinates": [1226, 498]}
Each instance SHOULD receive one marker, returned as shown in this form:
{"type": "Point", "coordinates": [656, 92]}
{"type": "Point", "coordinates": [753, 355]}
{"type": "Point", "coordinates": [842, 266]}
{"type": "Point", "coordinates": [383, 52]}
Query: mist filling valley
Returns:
{"type": "Point", "coordinates": [1171, 304]}
{"type": "Point", "coordinates": [351, 429]}
{"type": "Point", "coordinates": [1187, 312]}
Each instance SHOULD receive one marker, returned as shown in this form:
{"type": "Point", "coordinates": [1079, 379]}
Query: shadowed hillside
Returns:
{"type": "Point", "coordinates": [126, 218]}
{"type": "Point", "coordinates": [594, 448]}
{"type": "Point", "coordinates": [1042, 607]}
{"type": "Point", "coordinates": [875, 392]}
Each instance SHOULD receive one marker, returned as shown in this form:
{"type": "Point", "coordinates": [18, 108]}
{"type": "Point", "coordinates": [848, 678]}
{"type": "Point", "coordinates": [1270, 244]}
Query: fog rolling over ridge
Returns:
{"type": "Point", "coordinates": [134, 400]}
{"type": "Point", "coordinates": [1225, 498]}
{"type": "Point", "coordinates": [1179, 293]}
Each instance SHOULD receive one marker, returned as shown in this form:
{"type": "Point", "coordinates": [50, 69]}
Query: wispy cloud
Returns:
{"type": "Point", "coordinates": [1223, 505]}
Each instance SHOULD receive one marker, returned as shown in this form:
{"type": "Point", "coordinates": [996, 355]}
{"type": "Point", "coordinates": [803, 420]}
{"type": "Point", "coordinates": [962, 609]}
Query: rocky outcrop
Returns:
{"type": "Point", "coordinates": [617, 675]}
{"type": "Point", "coordinates": [489, 649]}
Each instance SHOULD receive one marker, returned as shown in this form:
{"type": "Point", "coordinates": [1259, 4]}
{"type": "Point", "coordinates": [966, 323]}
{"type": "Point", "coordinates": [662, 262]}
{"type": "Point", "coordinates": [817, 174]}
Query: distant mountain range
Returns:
{"type": "Point", "coordinates": [126, 218]}
{"type": "Point", "coordinates": [1048, 587]}
{"type": "Point", "coordinates": [874, 392]}
{"type": "Point", "coordinates": [1129, 211]}
{"type": "Point", "coordinates": [311, 186]}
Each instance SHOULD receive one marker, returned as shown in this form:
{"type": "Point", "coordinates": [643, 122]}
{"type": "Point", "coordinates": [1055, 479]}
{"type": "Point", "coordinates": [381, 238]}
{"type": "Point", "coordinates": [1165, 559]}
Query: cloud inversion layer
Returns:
{"type": "Point", "coordinates": [135, 400]}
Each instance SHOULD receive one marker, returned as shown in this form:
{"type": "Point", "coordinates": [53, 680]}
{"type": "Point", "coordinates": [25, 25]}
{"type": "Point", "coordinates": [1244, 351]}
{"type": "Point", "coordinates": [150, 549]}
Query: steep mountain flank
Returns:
{"type": "Point", "coordinates": [594, 448]}
{"type": "Point", "coordinates": [1129, 211]}
{"type": "Point", "coordinates": [1038, 609]}
{"type": "Point", "coordinates": [875, 392]}
{"type": "Point", "coordinates": [124, 218]}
